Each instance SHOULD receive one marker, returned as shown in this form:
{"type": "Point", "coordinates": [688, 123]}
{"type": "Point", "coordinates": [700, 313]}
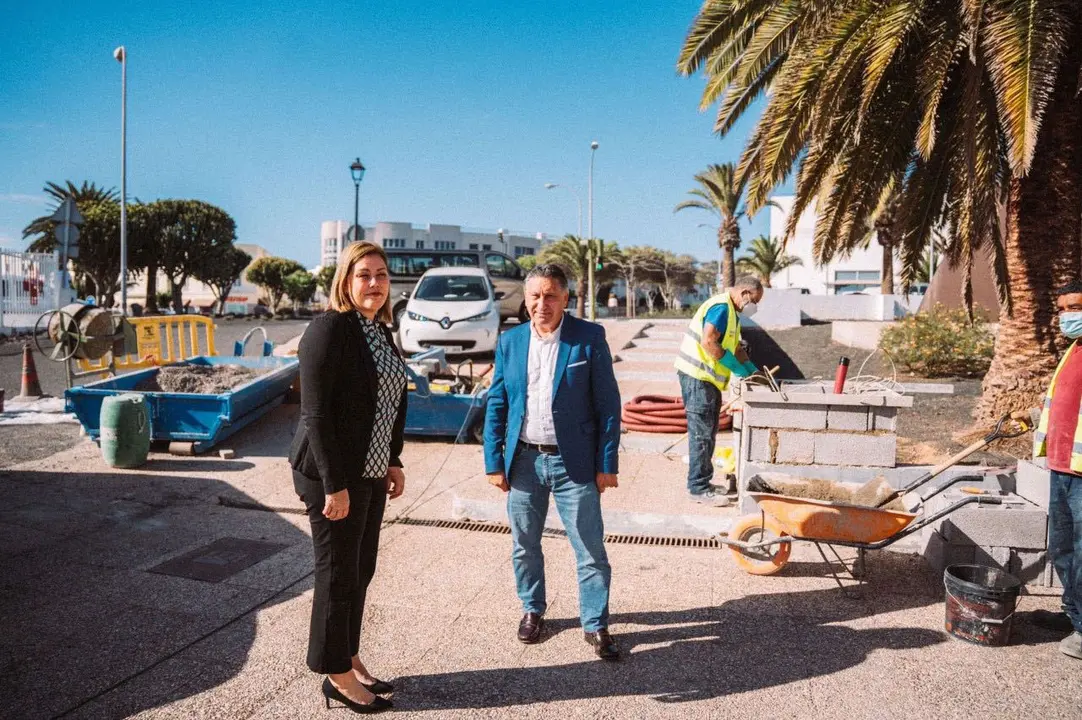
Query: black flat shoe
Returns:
{"type": "Point", "coordinates": [330, 692]}
{"type": "Point", "coordinates": [379, 688]}
{"type": "Point", "coordinates": [531, 627]}
{"type": "Point", "coordinates": [603, 645]}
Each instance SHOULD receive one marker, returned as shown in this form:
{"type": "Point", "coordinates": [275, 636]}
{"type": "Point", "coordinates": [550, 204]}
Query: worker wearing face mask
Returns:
{"type": "Point", "coordinates": [1059, 438]}
{"type": "Point", "coordinates": [711, 353]}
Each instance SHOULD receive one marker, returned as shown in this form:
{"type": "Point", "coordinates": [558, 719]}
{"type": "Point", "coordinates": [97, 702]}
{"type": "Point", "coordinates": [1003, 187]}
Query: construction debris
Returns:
{"type": "Point", "coordinates": [198, 379]}
{"type": "Point", "coordinates": [870, 494]}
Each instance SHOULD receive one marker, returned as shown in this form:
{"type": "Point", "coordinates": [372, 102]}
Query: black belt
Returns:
{"type": "Point", "coordinates": [543, 449]}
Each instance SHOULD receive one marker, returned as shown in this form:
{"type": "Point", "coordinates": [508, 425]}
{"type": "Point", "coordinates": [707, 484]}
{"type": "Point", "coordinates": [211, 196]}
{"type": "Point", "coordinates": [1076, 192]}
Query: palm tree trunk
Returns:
{"type": "Point", "coordinates": [886, 282]}
{"type": "Point", "coordinates": [1043, 252]}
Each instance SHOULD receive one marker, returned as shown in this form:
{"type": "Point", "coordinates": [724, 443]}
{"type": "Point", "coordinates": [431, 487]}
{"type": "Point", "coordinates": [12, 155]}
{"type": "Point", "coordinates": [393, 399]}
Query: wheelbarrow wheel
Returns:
{"type": "Point", "coordinates": [765, 560]}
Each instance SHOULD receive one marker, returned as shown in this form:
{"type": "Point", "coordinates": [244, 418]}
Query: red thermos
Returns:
{"type": "Point", "coordinates": [839, 375]}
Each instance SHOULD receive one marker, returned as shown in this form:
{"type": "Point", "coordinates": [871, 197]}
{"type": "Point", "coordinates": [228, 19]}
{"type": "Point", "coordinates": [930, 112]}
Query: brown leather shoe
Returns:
{"type": "Point", "coordinates": [604, 645]}
{"type": "Point", "coordinates": [529, 630]}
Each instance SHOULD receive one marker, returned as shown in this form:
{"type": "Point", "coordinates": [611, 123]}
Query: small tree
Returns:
{"type": "Point", "coordinates": [766, 258]}
{"type": "Point", "coordinates": [221, 272]}
{"type": "Point", "coordinates": [672, 274]}
{"type": "Point", "coordinates": [191, 233]}
{"type": "Point", "coordinates": [270, 274]}
{"type": "Point", "coordinates": [299, 287]}
{"type": "Point", "coordinates": [633, 265]}
{"type": "Point", "coordinates": [324, 278]}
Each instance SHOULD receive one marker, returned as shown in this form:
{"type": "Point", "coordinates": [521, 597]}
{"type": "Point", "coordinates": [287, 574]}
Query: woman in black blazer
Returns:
{"type": "Point", "coordinates": [345, 460]}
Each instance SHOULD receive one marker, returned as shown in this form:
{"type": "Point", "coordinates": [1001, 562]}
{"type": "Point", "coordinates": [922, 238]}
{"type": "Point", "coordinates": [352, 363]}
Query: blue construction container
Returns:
{"type": "Point", "coordinates": [203, 420]}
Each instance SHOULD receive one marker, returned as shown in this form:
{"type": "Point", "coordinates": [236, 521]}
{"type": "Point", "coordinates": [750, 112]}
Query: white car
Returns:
{"type": "Point", "coordinates": [453, 308]}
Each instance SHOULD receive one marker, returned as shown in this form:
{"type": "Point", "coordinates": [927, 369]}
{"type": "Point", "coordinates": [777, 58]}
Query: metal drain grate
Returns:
{"type": "Point", "coordinates": [501, 529]}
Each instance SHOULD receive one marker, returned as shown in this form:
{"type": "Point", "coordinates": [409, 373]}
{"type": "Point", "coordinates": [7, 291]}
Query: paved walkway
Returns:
{"type": "Point", "coordinates": [93, 631]}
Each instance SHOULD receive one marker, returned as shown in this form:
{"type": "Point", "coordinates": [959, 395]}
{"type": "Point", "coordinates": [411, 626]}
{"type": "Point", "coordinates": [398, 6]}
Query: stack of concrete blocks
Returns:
{"type": "Point", "coordinates": [808, 432]}
{"type": "Point", "coordinates": [1012, 537]}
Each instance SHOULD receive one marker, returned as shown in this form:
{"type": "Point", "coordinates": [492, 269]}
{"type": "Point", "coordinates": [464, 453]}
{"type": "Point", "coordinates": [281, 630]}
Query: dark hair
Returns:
{"type": "Point", "coordinates": [1071, 288]}
{"type": "Point", "coordinates": [552, 271]}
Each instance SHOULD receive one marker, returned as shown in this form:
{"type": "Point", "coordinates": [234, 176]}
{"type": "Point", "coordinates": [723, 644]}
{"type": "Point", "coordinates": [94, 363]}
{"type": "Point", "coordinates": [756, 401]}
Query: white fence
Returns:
{"type": "Point", "coordinates": [29, 285]}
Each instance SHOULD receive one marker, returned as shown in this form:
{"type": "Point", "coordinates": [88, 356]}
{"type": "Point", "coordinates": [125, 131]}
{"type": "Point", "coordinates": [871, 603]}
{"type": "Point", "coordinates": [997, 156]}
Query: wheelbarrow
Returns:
{"type": "Point", "coordinates": [761, 543]}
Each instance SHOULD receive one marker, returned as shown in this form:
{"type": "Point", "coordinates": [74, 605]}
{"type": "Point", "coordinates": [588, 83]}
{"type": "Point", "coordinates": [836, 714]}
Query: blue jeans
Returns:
{"type": "Point", "coordinates": [702, 403]}
{"type": "Point", "coordinates": [535, 476]}
{"type": "Point", "coordinates": [1065, 540]}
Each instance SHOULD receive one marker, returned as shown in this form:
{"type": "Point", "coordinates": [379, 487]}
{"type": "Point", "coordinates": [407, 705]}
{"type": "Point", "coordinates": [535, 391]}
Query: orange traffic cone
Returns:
{"type": "Point", "coordinates": [31, 388]}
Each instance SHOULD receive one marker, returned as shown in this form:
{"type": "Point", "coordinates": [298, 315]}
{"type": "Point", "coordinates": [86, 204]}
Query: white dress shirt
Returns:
{"type": "Point", "coordinates": [538, 426]}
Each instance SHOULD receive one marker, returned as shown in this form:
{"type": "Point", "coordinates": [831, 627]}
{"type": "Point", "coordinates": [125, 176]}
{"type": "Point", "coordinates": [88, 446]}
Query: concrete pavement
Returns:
{"type": "Point", "coordinates": [91, 631]}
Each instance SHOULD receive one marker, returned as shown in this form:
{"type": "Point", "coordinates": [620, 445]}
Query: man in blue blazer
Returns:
{"type": "Point", "coordinates": [552, 427]}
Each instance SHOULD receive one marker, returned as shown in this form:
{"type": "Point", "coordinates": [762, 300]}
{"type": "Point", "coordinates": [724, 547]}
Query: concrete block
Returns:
{"type": "Point", "coordinates": [872, 450]}
{"type": "Point", "coordinates": [759, 445]}
{"type": "Point", "coordinates": [1029, 566]}
{"type": "Point", "coordinates": [939, 553]}
{"type": "Point", "coordinates": [227, 454]}
{"type": "Point", "coordinates": [997, 557]}
{"type": "Point", "coordinates": [781, 415]}
{"type": "Point", "coordinates": [1031, 481]}
{"type": "Point", "coordinates": [848, 418]}
{"type": "Point", "coordinates": [998, 526]}
{"type": "Point", "coordinates": [795, 447]}
{"type": "Point", "coordinates": [883, 418]}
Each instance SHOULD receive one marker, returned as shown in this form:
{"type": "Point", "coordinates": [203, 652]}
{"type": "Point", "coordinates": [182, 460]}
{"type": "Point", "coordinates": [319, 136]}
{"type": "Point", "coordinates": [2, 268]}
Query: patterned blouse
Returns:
{"type": "Point", "coordinates": [391, 375]}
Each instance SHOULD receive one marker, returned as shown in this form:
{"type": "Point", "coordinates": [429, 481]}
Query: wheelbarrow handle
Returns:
{"type": "Point", "coordinates": [998, 433]}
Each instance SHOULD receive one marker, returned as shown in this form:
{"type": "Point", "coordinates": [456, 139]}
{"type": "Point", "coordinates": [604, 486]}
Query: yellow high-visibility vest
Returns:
{"type": "Point", "coordinates": [692, 360]}
{"type": "Point", "coordinates": [1040, 438]}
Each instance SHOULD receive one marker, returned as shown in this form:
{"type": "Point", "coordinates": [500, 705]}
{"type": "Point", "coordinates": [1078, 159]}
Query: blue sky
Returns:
{"type": "Point", "coordinates": [461, 111]}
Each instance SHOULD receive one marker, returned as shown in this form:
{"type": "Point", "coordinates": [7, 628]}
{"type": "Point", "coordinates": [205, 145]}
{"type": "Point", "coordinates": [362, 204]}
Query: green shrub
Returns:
{"type": "Point", "coordinates": [940, 343]}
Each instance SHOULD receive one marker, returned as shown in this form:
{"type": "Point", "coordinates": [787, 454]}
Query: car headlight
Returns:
{"type": "Point", "coordinates": [475, 318]}
{"type": "Point", "coordinates": [415, 316]}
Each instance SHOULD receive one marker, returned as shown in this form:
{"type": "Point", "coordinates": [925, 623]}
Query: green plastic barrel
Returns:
{"type": "Point", "coordinates": [125, 430]}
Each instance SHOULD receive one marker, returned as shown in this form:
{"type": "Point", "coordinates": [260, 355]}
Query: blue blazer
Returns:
{"type": "Point", "coordinates": [585, 401]}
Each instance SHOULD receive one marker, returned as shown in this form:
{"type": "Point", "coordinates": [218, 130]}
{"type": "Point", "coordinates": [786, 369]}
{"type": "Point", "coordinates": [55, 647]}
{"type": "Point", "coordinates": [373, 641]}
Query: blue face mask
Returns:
{"type": "Point", "coordinates": [1070, 324]}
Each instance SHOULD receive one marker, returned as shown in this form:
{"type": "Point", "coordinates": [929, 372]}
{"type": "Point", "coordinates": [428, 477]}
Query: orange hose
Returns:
{"type": "Point", "coordinates": [662, 414]}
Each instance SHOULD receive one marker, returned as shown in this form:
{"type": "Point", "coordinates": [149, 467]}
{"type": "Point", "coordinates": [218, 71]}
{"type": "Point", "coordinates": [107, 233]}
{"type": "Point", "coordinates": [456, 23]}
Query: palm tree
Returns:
{"type": "Point", "coordinates": [719, 193]}
{"type": "Point", "coordinates": [42, 229]}
{"type": "Point", "coordinates": [766, 258]}
{"type": "Point", "coordinates": [573, 253]}
{"type": "Point", "coordinates": [968, 111]}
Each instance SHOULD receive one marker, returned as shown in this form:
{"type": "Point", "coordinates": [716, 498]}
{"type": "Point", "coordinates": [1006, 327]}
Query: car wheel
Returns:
{"type": "Point", "coordinates": [399, 313]}
{"type": "Point", "coordinates": [523, 316]}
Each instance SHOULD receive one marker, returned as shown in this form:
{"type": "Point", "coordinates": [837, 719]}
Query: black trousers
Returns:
{"type": "Point", "coordinates": [345, 561]}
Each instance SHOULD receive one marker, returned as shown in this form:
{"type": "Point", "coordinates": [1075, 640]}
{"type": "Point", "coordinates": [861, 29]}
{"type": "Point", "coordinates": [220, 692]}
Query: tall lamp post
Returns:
{"type": "Point", "coordinates": [121, 56]}
{"type": "Point", "coordinates": [356, 170]}
{"type": "Point", "coordinates": [578, 199]}
{"type": "Point", "coordinates": [589, 246]}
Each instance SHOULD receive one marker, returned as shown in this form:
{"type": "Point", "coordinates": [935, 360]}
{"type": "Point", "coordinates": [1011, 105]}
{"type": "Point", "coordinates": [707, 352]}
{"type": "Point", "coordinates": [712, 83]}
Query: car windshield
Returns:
{"type": "Point", "coordinates": [452, 288]}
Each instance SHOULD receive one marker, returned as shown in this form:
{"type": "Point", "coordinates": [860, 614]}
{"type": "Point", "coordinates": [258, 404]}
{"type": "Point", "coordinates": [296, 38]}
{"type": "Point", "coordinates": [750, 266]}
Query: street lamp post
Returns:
{"type": "Point", "coordinates": [590, 247]}
{"type": "Point", "coordinates": [121, 56]}
{"type": "Point", "coordinates": [357, 171]}
{"type": "Point", "coordinates": [578, 199]}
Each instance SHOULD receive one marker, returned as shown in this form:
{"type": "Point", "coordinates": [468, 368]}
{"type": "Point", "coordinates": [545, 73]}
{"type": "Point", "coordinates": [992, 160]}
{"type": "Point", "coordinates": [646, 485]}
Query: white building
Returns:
{"type": "Point", "coordinates": [398, 235]}
{"type": "Point", "coordinates": [861, 271]}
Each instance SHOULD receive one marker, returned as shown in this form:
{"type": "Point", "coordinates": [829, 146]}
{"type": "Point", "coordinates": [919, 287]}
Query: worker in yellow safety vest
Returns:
{"type": "Point", "coordinates": [1059, 439]}
{"type": "Point", "coordinates": [710, 353]}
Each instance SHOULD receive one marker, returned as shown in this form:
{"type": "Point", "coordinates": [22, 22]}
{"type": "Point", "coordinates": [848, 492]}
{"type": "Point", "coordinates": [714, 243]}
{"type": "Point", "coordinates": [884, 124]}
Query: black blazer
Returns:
{"type": "Point", "coordinates": [338, 404]}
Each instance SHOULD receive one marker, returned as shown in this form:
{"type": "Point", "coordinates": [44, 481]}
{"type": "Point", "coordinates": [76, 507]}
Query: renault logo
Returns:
{"type": "Point", "coordinates": [445, 323]}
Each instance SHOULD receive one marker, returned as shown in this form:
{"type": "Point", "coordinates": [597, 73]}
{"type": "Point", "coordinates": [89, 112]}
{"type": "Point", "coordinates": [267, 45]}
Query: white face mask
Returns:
{"type": "Point", "coordinates": [749, 309]}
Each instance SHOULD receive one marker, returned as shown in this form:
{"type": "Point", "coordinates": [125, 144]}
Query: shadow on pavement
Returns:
{"type": "Point", "coordinates": [764, 351]}
{"type": "Point", "coordinates": [746, 644]}
{"type": "Point", "coordinates": [86, 622]}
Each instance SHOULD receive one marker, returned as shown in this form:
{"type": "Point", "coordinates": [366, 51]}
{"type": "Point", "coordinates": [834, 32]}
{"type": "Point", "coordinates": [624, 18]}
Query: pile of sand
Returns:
{"type": "Point", "coordinates": [870, 494]}
{"type": "Point", "coordinates": [199, 379]}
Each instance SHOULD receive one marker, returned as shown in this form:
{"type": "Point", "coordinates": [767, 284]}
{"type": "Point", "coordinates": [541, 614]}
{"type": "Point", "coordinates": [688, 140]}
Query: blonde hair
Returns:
{"type": "Point", "coordinates": [340, 298]}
